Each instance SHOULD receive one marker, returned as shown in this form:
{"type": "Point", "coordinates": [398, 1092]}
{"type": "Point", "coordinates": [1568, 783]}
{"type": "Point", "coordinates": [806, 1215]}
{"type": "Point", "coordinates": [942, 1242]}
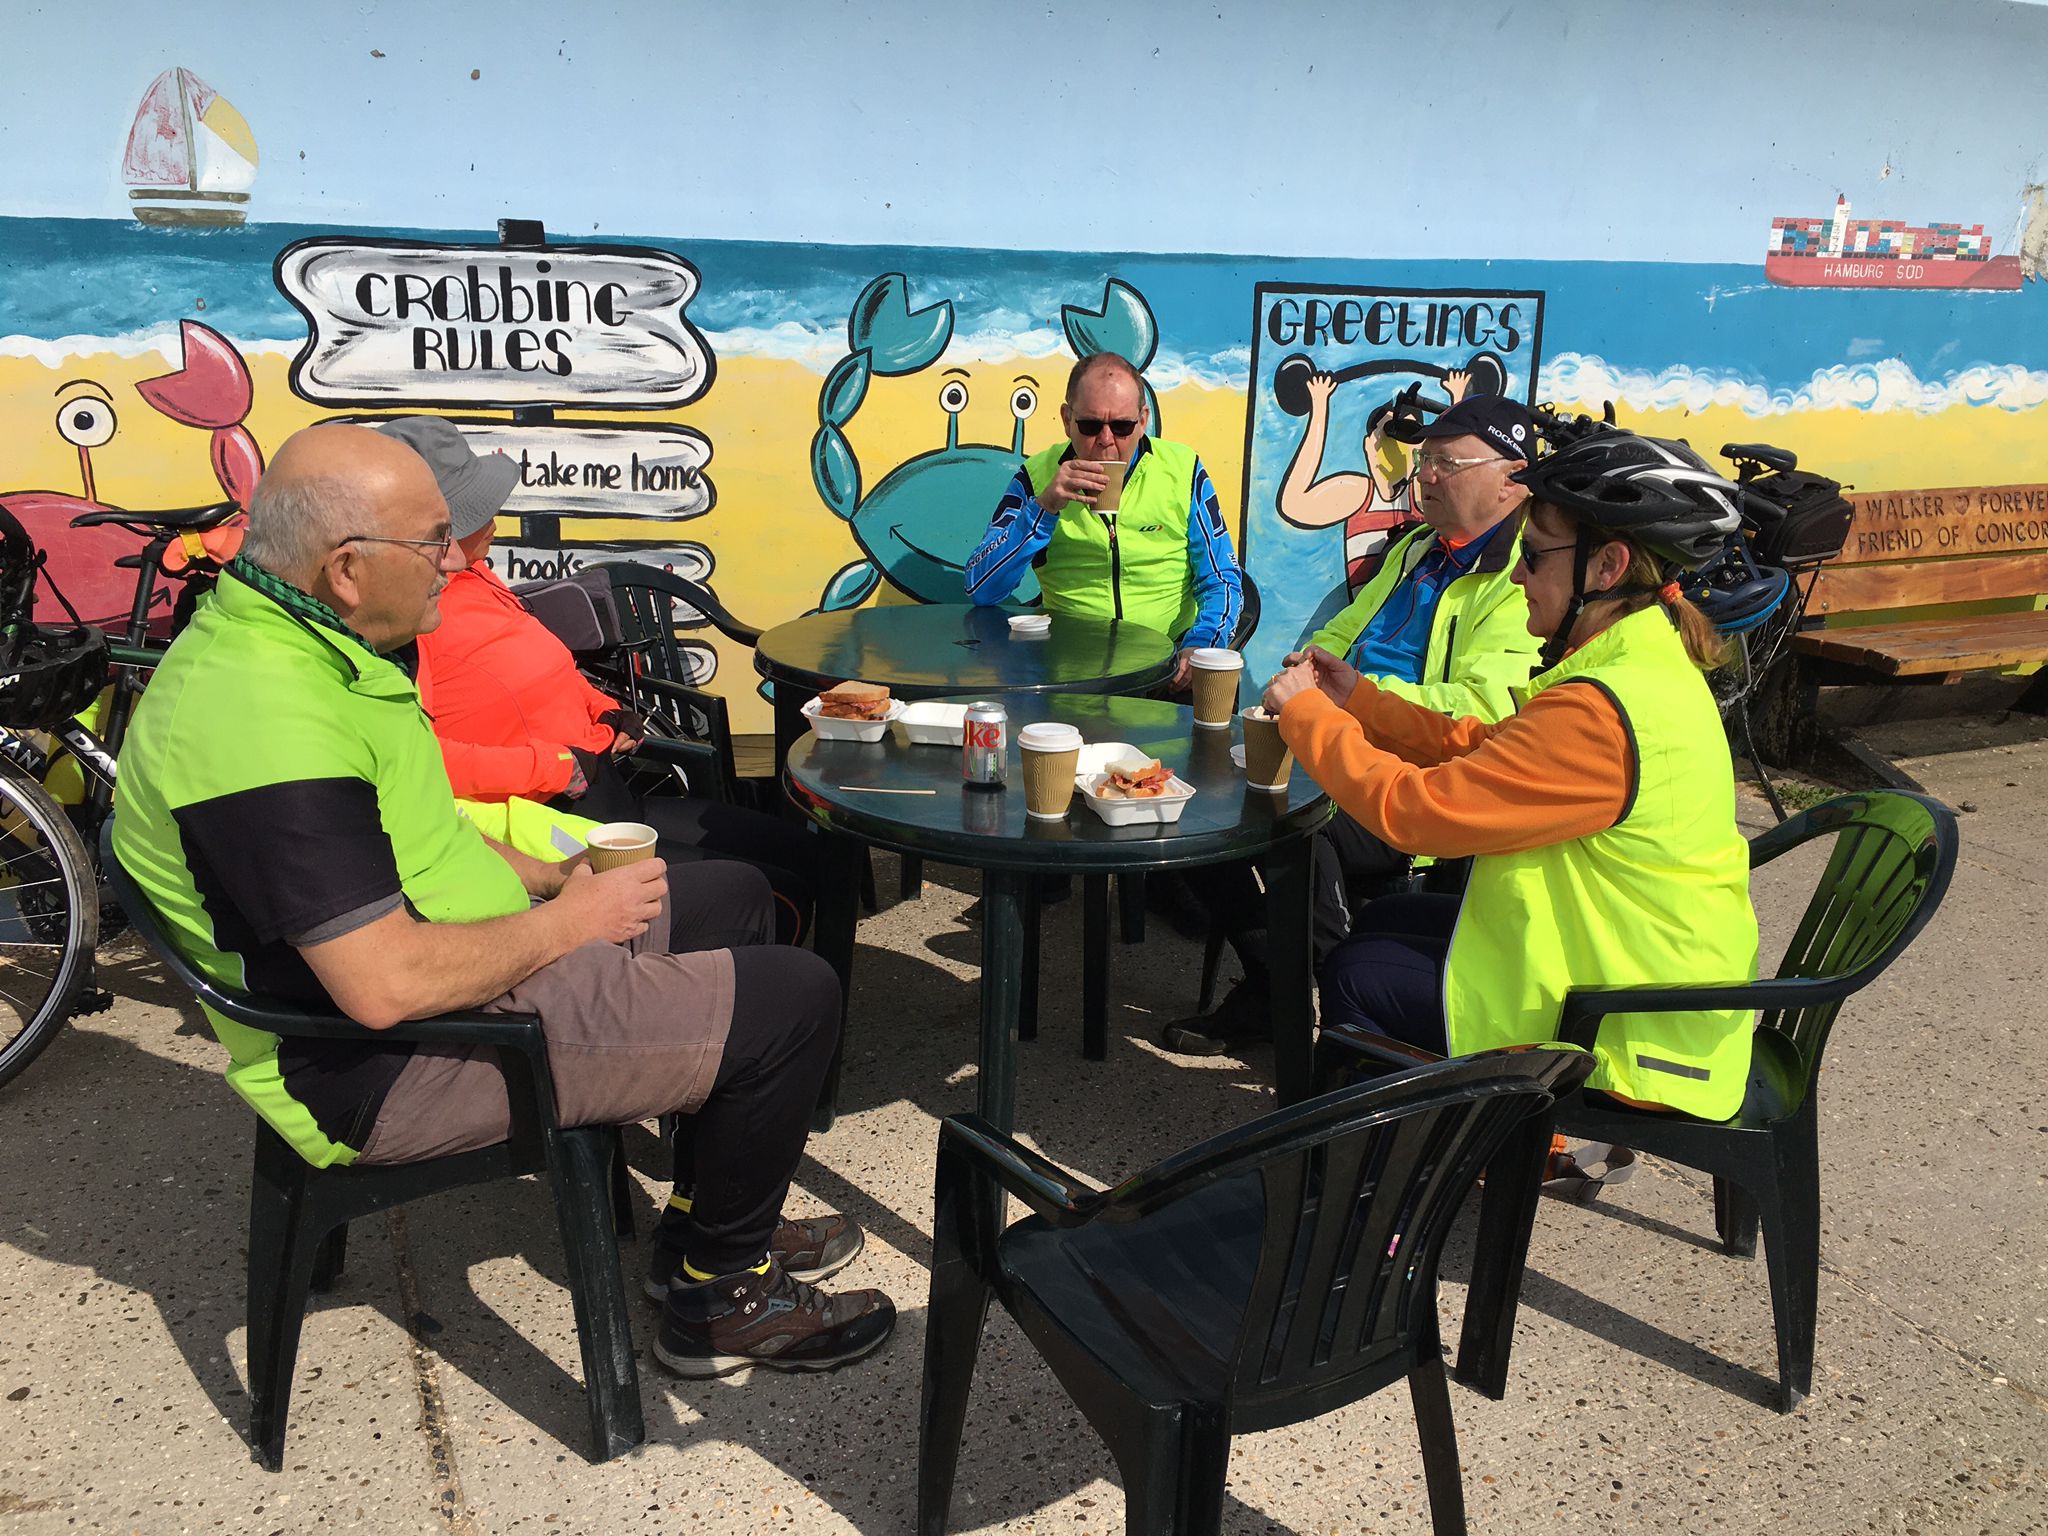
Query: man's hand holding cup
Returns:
{"type": "Point", "coordinates": [1078, 479]}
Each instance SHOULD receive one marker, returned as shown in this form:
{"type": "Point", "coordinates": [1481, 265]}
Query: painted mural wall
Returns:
{"type": "Point", "coordinates": [807, 423]}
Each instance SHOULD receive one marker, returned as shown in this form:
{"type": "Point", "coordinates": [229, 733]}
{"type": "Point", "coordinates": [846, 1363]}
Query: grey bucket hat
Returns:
{"type": "Point", "coordinates": [475, 485]}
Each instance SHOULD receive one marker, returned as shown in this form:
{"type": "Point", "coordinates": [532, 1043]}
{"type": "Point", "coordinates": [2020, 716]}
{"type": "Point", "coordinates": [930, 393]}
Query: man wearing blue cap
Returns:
{"type": "Point", "coordinates": [1440, 624]}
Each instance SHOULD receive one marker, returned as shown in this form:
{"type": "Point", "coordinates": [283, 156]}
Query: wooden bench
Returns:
{"type": "Point", "coordinates": [1933, 585]}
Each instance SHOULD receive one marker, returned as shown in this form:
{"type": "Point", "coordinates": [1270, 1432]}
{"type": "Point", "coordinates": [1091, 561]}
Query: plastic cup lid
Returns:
{"type": "Point", "coordinates": [1213, 659]}
{"type": "Point", "coordinates": [1049, 736]}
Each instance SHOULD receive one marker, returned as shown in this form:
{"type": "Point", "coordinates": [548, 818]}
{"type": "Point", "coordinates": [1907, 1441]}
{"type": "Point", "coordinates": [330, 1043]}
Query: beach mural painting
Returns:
{"type": "Point", "coordinates": [921, 521]}
{"type": "Point", "coordinates": [810, 427]}
{"type": "Point", "coordinates": [1325, 487]}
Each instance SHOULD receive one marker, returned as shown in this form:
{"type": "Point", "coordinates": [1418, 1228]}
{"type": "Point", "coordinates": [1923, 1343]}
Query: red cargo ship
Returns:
{"type": "Point", "coordinates": [1841, 252]}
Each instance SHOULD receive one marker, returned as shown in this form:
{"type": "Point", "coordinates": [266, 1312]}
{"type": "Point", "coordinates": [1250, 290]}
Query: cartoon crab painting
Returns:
{"type": "Point", "coordinates": [918, 525]}
{"type": "Point", "coordinates": [211, 391]}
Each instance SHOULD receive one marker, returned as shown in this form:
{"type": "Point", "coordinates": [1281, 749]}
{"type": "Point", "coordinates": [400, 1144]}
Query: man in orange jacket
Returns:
{"type": "Point", "coordinates": [516, 718]}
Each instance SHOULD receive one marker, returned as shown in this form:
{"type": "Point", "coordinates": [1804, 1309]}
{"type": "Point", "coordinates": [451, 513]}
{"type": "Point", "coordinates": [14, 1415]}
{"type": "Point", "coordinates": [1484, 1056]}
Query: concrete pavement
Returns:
{"type": "Point", "coordinates": [437, 1387]}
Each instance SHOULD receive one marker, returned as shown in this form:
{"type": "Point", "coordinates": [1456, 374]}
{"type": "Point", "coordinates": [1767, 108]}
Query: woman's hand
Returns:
{"type": "Point", "coordinates": [1334, 675]}
{"type": "Point", "coordinates": [1287, 684]}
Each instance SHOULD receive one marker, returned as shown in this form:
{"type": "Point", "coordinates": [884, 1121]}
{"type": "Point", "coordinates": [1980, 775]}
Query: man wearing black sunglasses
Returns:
{"type": "Point", "coordinates": [1162, 558]}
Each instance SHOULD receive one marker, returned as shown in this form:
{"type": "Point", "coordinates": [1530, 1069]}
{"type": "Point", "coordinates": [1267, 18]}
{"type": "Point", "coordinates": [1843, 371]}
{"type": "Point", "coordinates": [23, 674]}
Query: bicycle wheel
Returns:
{"type": "Point", "coordinates": [49, 919]}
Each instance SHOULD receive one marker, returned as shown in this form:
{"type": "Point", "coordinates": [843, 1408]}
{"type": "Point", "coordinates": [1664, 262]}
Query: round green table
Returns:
{"type": "Point", "coordinates": [935, 650]}
{"type": "Point", "coordinates": [911, 799]}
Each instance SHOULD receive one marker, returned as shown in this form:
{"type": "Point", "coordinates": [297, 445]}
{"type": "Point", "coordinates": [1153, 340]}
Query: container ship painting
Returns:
{"type": "Point", "coordinates": [1842, 252]}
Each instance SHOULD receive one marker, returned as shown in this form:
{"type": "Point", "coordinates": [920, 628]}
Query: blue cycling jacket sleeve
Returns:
{"type": "Point", "coordinates": [1018, 531]}
{"type": "Point", "coordinates": [1219, 590]}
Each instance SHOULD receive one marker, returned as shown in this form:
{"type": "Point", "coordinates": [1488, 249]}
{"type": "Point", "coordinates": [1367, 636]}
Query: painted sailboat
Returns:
{"type": "Point", "coordinates": [191, 156]}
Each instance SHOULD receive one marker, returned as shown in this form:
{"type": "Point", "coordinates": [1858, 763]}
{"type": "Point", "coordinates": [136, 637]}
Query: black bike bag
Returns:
{"type": "Point", "coordinates": [1802, 519]}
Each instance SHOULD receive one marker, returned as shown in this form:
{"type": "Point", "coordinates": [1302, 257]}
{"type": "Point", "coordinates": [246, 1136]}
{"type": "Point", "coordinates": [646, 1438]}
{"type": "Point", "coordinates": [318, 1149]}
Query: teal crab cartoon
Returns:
{"type": "Point", "coordinates": [918, 525]}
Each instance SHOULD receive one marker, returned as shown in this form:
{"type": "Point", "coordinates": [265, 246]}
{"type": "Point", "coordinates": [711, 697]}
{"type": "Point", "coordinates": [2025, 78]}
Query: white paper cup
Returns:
{"type": "Point", "coordinates": [1215, 674]}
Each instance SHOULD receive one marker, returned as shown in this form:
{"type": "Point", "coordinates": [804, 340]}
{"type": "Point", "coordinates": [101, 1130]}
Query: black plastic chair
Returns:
{"type": "Point", "coordinates": [1264, 1277]}
{"type": "Point", "coordinates": [654, 662]}
{"type": "Point", "coordinates": [1890, 865]}
{"type": "Point", "coordinates": [299, 1214]}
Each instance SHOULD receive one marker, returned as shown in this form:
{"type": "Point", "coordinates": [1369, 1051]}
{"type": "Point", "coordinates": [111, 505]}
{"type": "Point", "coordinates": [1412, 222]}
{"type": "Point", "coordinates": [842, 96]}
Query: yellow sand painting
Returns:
{"type": "Point", "coordinates": [775, 543]}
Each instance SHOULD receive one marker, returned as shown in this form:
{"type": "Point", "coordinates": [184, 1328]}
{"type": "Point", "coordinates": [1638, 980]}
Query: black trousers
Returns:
{"type": "Point", "coordinates": [1348, 863]}
{"type": "Point", "coordinates": [695, 833]}
{"type": "Point", "coordinates": [736, 1155]}
{"type": "Point", "coordinates": [1388, 977]}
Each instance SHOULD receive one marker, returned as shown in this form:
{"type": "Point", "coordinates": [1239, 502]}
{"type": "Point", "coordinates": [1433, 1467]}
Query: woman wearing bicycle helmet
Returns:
{"type": "Point", "coordinates": [1601, 815]}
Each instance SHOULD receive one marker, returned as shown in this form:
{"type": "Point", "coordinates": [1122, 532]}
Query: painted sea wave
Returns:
{"type": "Point", "coordinates": [1645, 332]}
{"type": "Point", "coordinates": [1886, 384]}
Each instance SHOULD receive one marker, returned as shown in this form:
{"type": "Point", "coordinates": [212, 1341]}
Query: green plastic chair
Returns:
{"type": "Point", "coordinates": [299, 1214]}
{"type": "Point", "coordinates": [1890, 865]}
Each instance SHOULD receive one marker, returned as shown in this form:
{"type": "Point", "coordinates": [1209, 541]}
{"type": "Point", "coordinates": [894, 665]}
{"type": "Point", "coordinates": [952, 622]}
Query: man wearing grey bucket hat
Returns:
{"type": "Point", "coordinates": [474, 485]}
{"type": "Point", "coordinates": [517, 720]}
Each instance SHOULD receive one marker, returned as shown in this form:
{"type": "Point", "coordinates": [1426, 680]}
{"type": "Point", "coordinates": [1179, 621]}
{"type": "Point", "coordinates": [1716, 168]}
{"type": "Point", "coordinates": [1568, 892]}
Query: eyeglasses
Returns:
{"type": "Point", "coordinates": [1532, 553]}
{"type": "Point", "coordinates": [1091, 426]}
{"type": "Point", "coordinates": [438, 546]}
{"type": "Point", "coordinates": [1439, 466]}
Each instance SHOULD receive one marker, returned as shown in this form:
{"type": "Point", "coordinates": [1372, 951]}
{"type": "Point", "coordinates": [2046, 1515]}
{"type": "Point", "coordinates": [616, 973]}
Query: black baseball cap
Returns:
{"type": "Point", "coordinates": [1507, 426]}
{"type": "Point", "coordinates": [475, 485]}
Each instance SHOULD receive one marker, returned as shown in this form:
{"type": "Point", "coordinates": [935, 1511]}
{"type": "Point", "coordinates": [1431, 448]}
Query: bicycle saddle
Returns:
{"type": "Point", "coordinates": [1783, 460]}
{"type": "Point", "coordinates": [169, 520]}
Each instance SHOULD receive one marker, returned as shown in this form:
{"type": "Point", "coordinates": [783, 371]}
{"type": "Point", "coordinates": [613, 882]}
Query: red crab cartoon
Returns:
{"type": "Point", "coordinates": [212, 391]}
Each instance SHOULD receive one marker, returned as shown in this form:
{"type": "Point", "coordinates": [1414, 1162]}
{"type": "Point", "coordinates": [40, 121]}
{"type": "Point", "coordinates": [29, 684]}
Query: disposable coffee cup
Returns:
{"type": "Point", "coordinates": [1267, 760]}
{"type": "Point", "coordinates": [619, 843]}
{"type": "Point", "coordinates": [1050, 754]}
{"type": "Point", "coordinates": [1113, 493]}
{"type": "Point", "coordinates": [1215, 674]}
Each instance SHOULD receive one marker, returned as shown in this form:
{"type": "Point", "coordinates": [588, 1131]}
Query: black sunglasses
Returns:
{"type": "Point", "coordinates": [1091, 426]}
{"type": "Point", "coordinates": [1532, 553]}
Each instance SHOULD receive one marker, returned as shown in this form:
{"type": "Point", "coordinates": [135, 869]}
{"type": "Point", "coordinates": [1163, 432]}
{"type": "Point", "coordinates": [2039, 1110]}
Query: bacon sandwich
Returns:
{"type": "Point", "coordinates": [856, 701]}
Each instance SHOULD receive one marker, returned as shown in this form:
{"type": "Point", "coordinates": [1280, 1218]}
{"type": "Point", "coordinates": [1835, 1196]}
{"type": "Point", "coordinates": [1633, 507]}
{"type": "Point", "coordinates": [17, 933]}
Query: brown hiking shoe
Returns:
{"type": "Point", "coordinates": [813, 1249]}
{"type": "Point", "coordinates": [773, 1320]}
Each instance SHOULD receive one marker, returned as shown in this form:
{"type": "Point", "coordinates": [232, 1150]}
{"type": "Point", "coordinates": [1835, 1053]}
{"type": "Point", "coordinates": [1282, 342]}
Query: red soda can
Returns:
{"type": "Point", "coordinates": [985, 746]}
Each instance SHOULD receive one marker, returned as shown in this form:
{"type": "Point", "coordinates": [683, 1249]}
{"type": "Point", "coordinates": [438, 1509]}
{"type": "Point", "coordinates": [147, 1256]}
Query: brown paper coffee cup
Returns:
{"type": "Point", "coordinates": [1050, 754]}
{"type": "Point", "coordinates": [619, 843]}
{"type": "Point", "coordinates": [1112, 495]}
{"type": "Point", "coordinates": [1267, 759]}
{"type": "Point", "coordinates": [1215, 675]}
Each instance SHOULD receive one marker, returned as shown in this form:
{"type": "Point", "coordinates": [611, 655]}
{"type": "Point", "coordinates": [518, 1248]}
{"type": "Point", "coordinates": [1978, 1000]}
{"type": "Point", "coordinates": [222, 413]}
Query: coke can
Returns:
{"type": "Point", "coordinates": [985, 746]}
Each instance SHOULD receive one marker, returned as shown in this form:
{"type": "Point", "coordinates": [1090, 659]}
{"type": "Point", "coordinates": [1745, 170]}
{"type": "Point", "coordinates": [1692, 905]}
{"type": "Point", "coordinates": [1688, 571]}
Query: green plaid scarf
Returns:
{"type": "Point", "coordinates": [291, 599]}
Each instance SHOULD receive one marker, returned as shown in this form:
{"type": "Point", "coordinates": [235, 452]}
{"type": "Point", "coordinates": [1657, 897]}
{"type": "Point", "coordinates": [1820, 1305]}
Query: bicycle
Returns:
{"type": "Point", "coordinates": [54, 903]}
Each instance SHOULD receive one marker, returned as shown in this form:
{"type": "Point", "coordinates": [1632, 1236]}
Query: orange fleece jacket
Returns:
{"type": "Point", "coordinates": [1560, 768]}
{"type": "Point", "coordinates": [504, 694]}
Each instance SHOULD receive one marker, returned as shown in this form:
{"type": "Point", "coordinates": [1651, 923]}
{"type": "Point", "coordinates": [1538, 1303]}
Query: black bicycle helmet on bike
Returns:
{"type": "Point", "coordinates": [47, 674]}
{"type": "Point", "coordinates": [1733, 591]}
{"type": "Point", "coordinates": [1653, 491]}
